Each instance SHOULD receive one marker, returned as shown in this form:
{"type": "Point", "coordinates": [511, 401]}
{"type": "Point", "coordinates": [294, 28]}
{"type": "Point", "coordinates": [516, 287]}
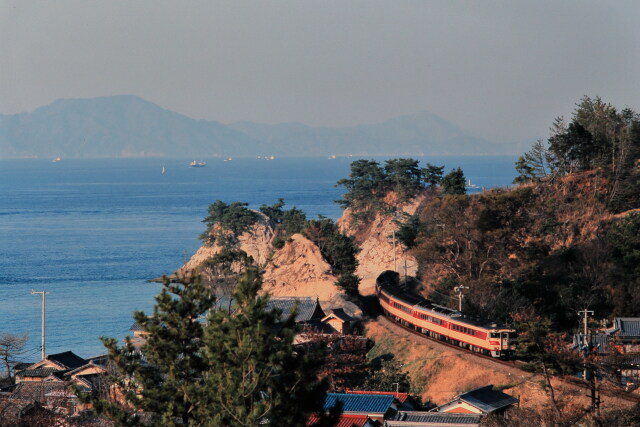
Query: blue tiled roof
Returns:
{"type": "Point", "coordinates": [628, 327]}
{"type": "Point", "coordinates": [361, 403]}
{"type": "Point", "coordinates": [487, 399]}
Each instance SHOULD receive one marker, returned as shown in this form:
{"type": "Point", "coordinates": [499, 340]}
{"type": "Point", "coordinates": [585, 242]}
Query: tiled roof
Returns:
{"type": "Point", "coordinates": [599, 342]}
{"type": "Point", "coordinates": [400, 397]}
{"type": "Point", "coordinates": [487, 399]}
{"type": "Point", "coordinates": [346, 420]}
{"type": "Point", "coordinates": [37, 373]}
{"type": "Point", "coordinates": [308, 308]}
{"type": "Point", "coordinates": [68, 359]}
{"type": "Point", "coordinates": [36, 390]}
{"type": "Point", "coordinates": [340, 314]}
{"type": "Point", "coordinates": [360, 403]}
{"type": "Point", "coordinates": [628, 327]}
{"type": "Point", "coordinates": [440, 419]}
{"type": "Point", "coordinates": [136, 327]}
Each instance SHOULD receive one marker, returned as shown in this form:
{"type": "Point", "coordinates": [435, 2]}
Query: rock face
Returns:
{"type": "Point", "coordinates": [375, 241]}
{"type": "Point", "coordinates": [256, 242]}
{"type": "Point", "coordinates": [298, 269]}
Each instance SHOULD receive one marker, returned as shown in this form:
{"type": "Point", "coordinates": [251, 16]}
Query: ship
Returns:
{"type": "Point", "coordinates": [196, 164]}
{"type": "Point", "coordinates": [57, 159]}
{"type": "Point", "coordinates": [470, 185]}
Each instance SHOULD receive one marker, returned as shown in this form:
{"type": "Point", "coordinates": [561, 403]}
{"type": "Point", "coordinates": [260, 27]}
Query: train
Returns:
{"type": "Point", "coordinates": [443, 323]}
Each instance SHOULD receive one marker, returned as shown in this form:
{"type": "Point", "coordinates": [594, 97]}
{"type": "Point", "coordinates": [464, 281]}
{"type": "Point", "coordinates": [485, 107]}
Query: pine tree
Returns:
{"type": "Point", "coordinates": [257, 376]}
{"type": "Point", "coordinates": [239, 368]}
{"type": "Point", "coordinates": [454, 182]}
{"type": "Point", "coordinates": [163, 378]}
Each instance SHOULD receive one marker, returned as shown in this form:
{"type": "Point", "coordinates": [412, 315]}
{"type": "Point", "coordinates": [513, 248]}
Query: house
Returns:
{"type": "Point", "coordinates": [50, 364]}
{"type": "Point", "coordinates": [483, 400]}
{"type": "Point", "coordinates": [48, 382]}
{"type": "Point", "coordinates": [339, 321]}
{"type": "Point", "coordinates": [434, 419]}
{"type": "Point", "coordinates": [625, 334]}
{"type": "Point", "coordinates": [375, 406]}
{"type": "Point", "coordinates": [618, 347]}
{"type": "Point", "coordinates": [403, 401]}
{"type": "Point", "coordinates": [308, 308]}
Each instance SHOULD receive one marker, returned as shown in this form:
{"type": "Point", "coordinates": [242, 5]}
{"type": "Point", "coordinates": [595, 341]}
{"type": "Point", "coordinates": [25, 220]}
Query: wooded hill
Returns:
{"type": "Point", "coordinates": [567, 238]}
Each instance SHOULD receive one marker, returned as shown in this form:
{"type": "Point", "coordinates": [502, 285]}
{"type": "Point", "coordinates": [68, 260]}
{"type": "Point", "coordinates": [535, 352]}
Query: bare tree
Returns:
{"type": "Point", "coordinates": [11, 347]}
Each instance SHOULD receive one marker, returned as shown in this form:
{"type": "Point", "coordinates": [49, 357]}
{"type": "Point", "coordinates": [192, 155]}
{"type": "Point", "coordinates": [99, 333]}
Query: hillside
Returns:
{"type": "Point", "coordinates": [129, 126]}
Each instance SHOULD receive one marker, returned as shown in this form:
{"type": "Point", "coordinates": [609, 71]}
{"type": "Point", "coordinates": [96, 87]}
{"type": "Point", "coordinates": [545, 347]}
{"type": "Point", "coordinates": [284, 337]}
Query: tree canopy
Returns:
{"type": "Point", "coordinates": [239, 367]}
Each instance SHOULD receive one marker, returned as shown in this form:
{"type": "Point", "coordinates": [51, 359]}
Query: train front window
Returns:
{"type": "Point", "coordinates": [494, 335]}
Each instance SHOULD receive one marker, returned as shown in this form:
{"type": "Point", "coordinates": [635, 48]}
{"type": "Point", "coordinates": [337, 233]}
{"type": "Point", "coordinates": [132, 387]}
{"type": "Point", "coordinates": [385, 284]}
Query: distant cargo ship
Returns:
{"type": "Point", "coordinates": [195, 164]}
{"type": "Point", "coordinates": [57, 159]}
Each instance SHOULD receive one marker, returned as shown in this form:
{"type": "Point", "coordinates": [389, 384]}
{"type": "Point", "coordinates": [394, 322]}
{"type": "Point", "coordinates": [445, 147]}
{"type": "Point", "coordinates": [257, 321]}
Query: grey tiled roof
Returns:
{"type": "Point", "coordinates": [308, 308]}
{"type": "Point", "coordinates": [37, 390]}
{"type": "Point", "coordinates": [359, 403]}
{"type": "Point", "coordinates": [407, 418]}
{"type": "Point", "coordinates": [37, 373]}
{"type": "Point", "coordinates": [487, 399]}
{"type": "Point", "coordinates": [68, 359]}
{"type": "Point", "coordinates": [340, 314]}
{"type": "Point", "coordinates": [599, 342]}
{"type": "Point", "coordinates": [628, 327]}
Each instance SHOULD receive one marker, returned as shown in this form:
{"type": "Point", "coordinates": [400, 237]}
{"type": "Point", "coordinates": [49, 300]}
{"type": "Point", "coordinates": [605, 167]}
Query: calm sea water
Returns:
{"type": "Point", "coordinates": [91, 232]}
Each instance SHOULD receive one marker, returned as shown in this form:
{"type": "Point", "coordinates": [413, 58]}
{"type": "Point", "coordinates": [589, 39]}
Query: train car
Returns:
{"type": "Point", "coordinates": [441, 322]}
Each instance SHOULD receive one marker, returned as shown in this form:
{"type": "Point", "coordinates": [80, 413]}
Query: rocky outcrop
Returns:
{"type": "Point", "coordinates": [298, 269]}
{"type": "Point", "coordinates": [376, 243]}
{"type": "Point", "coordinates": [256, 242]}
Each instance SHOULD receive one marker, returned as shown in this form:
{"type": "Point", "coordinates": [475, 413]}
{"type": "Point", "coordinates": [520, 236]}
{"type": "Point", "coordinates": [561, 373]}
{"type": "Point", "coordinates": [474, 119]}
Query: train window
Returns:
{"type": "Point", "coordinates": [494, 335]}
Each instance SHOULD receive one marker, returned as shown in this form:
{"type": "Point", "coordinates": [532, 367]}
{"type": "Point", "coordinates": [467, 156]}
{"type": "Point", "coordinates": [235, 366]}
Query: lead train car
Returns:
{"type": "Point", "coordinates": [441, 322]}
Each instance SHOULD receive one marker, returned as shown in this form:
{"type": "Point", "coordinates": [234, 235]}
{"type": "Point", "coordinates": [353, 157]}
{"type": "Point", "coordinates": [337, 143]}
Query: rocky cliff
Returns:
{"type": "Point", "coordinates": [376, 242]}
{"type": "Point", "coordinates": [299, 269]}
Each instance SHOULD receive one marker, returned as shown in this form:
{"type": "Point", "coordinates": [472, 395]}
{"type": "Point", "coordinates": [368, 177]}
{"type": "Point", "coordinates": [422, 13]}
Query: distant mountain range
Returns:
{"type": "Point", "coordinates": [129, 126]}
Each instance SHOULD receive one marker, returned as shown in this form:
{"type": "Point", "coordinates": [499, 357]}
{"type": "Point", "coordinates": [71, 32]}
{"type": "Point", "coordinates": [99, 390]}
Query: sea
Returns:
{"type": "Point", "coordinates": [92, 232]}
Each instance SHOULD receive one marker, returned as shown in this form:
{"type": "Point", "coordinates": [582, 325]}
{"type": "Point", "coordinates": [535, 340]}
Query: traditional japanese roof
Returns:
{"type": "Point", "coordinates": [486, 399]}
{"type": "Point", "coordinates": [359, 403]}
{"type": "Point", "coordinates": [627, 327]}
{"type": "Point", "coordinates": [340, 314]}
{"type": "Point", "coordinates": [100, 360]}
{"type": "Point", "coordinates": [434, 419]}
{"type": "Point", "coordinates": [68, 359]}
{"type": "Point", "coordinates": [37, 390]}
{"type": "Point", "coordinates": [345, 420]}
{"type": "Point", "coordinates": [400, 397]}
{"type": "Point", "coordinates": [136, 327]}
{"type": "Point", "coordinates": [597, 342]}
{"type": "Point", "coordinates": [36, 373]}
{"type": "Point", "coordinates": [308, 307]}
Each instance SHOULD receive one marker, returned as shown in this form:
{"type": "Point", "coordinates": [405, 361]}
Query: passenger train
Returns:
{"type": "Point", "coordinates": [441, 322]}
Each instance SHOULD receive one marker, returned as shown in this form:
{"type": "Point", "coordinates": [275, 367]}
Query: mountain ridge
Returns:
{"type": "Point", "coordinates": [130, 126]}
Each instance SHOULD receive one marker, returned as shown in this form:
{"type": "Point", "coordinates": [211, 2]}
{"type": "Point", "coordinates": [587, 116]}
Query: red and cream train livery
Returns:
{"type": "Point", "coordinates": [441, 322]}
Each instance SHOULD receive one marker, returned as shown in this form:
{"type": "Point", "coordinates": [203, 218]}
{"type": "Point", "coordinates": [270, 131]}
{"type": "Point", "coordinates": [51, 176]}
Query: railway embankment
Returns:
{"type": "Point", "coordinates": [439, 372]}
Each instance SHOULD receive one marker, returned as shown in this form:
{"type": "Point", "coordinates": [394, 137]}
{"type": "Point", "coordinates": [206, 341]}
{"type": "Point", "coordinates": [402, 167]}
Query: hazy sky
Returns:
{"type": "Point", "coordinates": [500, 69]}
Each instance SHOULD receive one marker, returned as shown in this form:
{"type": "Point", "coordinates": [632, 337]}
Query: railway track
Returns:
{"type": "Point", "coordinates": [516, 364]}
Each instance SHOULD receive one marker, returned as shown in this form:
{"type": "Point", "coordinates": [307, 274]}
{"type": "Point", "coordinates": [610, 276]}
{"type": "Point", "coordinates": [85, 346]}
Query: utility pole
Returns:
{"type": "Point", "coordinates": [42, 295]}
{"type": "Point", "coordinates": [459, 290]}
{"type": "Point", "coordinates": [595, 398]}
{"type": "Point", "coordinates": [586, 330]}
